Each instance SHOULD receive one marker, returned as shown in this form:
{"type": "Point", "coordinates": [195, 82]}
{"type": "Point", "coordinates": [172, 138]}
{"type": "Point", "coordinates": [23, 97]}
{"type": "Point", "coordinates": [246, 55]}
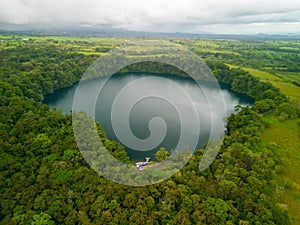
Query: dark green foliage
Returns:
{"type": "Point", "coordinates": [38, 69]}
{"type": "Point", "coordinates": [264, 106]}
{"type": "Point", "coordinates": [153, 67]}
{"type": "Point", "coordinates": [161, 154]}
{"type": "Point", "coordinates": [45, 180]}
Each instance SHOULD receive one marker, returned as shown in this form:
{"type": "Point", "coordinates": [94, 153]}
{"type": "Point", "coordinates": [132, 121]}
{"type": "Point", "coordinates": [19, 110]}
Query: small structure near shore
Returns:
{"type": "Point", "coordinates": [140, 165]}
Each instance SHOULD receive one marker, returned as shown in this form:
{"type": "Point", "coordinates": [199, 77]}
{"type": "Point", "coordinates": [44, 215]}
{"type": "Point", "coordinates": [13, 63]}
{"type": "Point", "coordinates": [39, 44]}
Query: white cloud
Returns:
{"type": "Point", "coordinates": [157, 15]}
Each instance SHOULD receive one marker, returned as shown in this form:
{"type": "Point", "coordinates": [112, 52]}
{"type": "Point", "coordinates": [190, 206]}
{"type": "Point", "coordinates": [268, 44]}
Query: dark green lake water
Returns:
{"type": "Point", "coordinates": [149, 107]}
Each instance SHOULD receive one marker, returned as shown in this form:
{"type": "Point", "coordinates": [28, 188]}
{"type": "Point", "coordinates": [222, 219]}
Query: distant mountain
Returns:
{"type": "Point", "coordinates": [113, 32]}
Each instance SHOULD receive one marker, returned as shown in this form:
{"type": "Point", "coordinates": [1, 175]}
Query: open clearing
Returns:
{"type": "Point", "coordinates": [286, 137]}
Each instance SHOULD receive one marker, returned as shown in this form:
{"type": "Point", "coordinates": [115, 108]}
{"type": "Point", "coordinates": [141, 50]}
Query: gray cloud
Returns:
{"type": "Point", "coordinates": [158, 15]}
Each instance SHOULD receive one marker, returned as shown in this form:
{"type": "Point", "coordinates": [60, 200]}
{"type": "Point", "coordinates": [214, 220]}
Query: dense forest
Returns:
{"type": "Point", "coordinates": [45, 180]}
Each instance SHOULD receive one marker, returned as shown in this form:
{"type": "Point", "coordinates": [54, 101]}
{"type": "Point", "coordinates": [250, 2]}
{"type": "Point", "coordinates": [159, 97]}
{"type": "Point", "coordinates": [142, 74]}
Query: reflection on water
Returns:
{"type": "Point", "coordinates": [152, 106]}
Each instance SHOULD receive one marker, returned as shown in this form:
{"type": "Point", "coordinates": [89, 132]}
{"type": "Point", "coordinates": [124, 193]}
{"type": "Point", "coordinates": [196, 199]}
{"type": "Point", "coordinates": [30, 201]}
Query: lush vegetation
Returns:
{"type": "Point", "coordinates": [45, 180]}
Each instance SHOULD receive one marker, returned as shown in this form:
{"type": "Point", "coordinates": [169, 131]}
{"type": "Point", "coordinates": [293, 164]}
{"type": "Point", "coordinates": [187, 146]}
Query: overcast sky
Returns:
{"type": "Point", "coordinates": [192, 16]}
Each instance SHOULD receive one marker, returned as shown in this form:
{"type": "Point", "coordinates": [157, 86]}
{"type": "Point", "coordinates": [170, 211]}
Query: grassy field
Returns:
{"type": "Point", "coordinates": [258, 73]}
{"type": "Point", "coordinates": [263, 75]}
{"type": "Point", "coordinates": [101, 40]}
{"type": "Point", "coordinates": [290, 76]}
{"type": "Point", "coordinates": [286, 137]}
{"type": "Point", "coordinates": [286, 87]}
{"type": "Point", "coordinates": [290, 90]}
{"type": "Point", "coordinates": [212, 51]}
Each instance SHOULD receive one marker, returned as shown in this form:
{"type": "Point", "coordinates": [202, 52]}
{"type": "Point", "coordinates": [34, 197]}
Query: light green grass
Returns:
{"type": "Point", "coordinates": [90, 52]}
{"type": "Point", "coordinates": [286, 135]}
{"type": "Point", "coordinates": [287, 88]}
{"type": "Point", "coordinates": [205, 44]}
{"type": "Point", "coordinates": [60, 39]}
{"type": "Point", "coordinates": [290, 76]}
{"type": "Point", "coordinates": [262, 74]}
{"type": "Point", "coordinates": [212, 51]}
{"type": "Point", "coordinates": [259, 74]}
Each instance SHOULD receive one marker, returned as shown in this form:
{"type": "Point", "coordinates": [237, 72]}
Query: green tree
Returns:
{"type": "Point", "coordinates": [42, 219]}
{"type": "Point", "coordinates": [161, 154]}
